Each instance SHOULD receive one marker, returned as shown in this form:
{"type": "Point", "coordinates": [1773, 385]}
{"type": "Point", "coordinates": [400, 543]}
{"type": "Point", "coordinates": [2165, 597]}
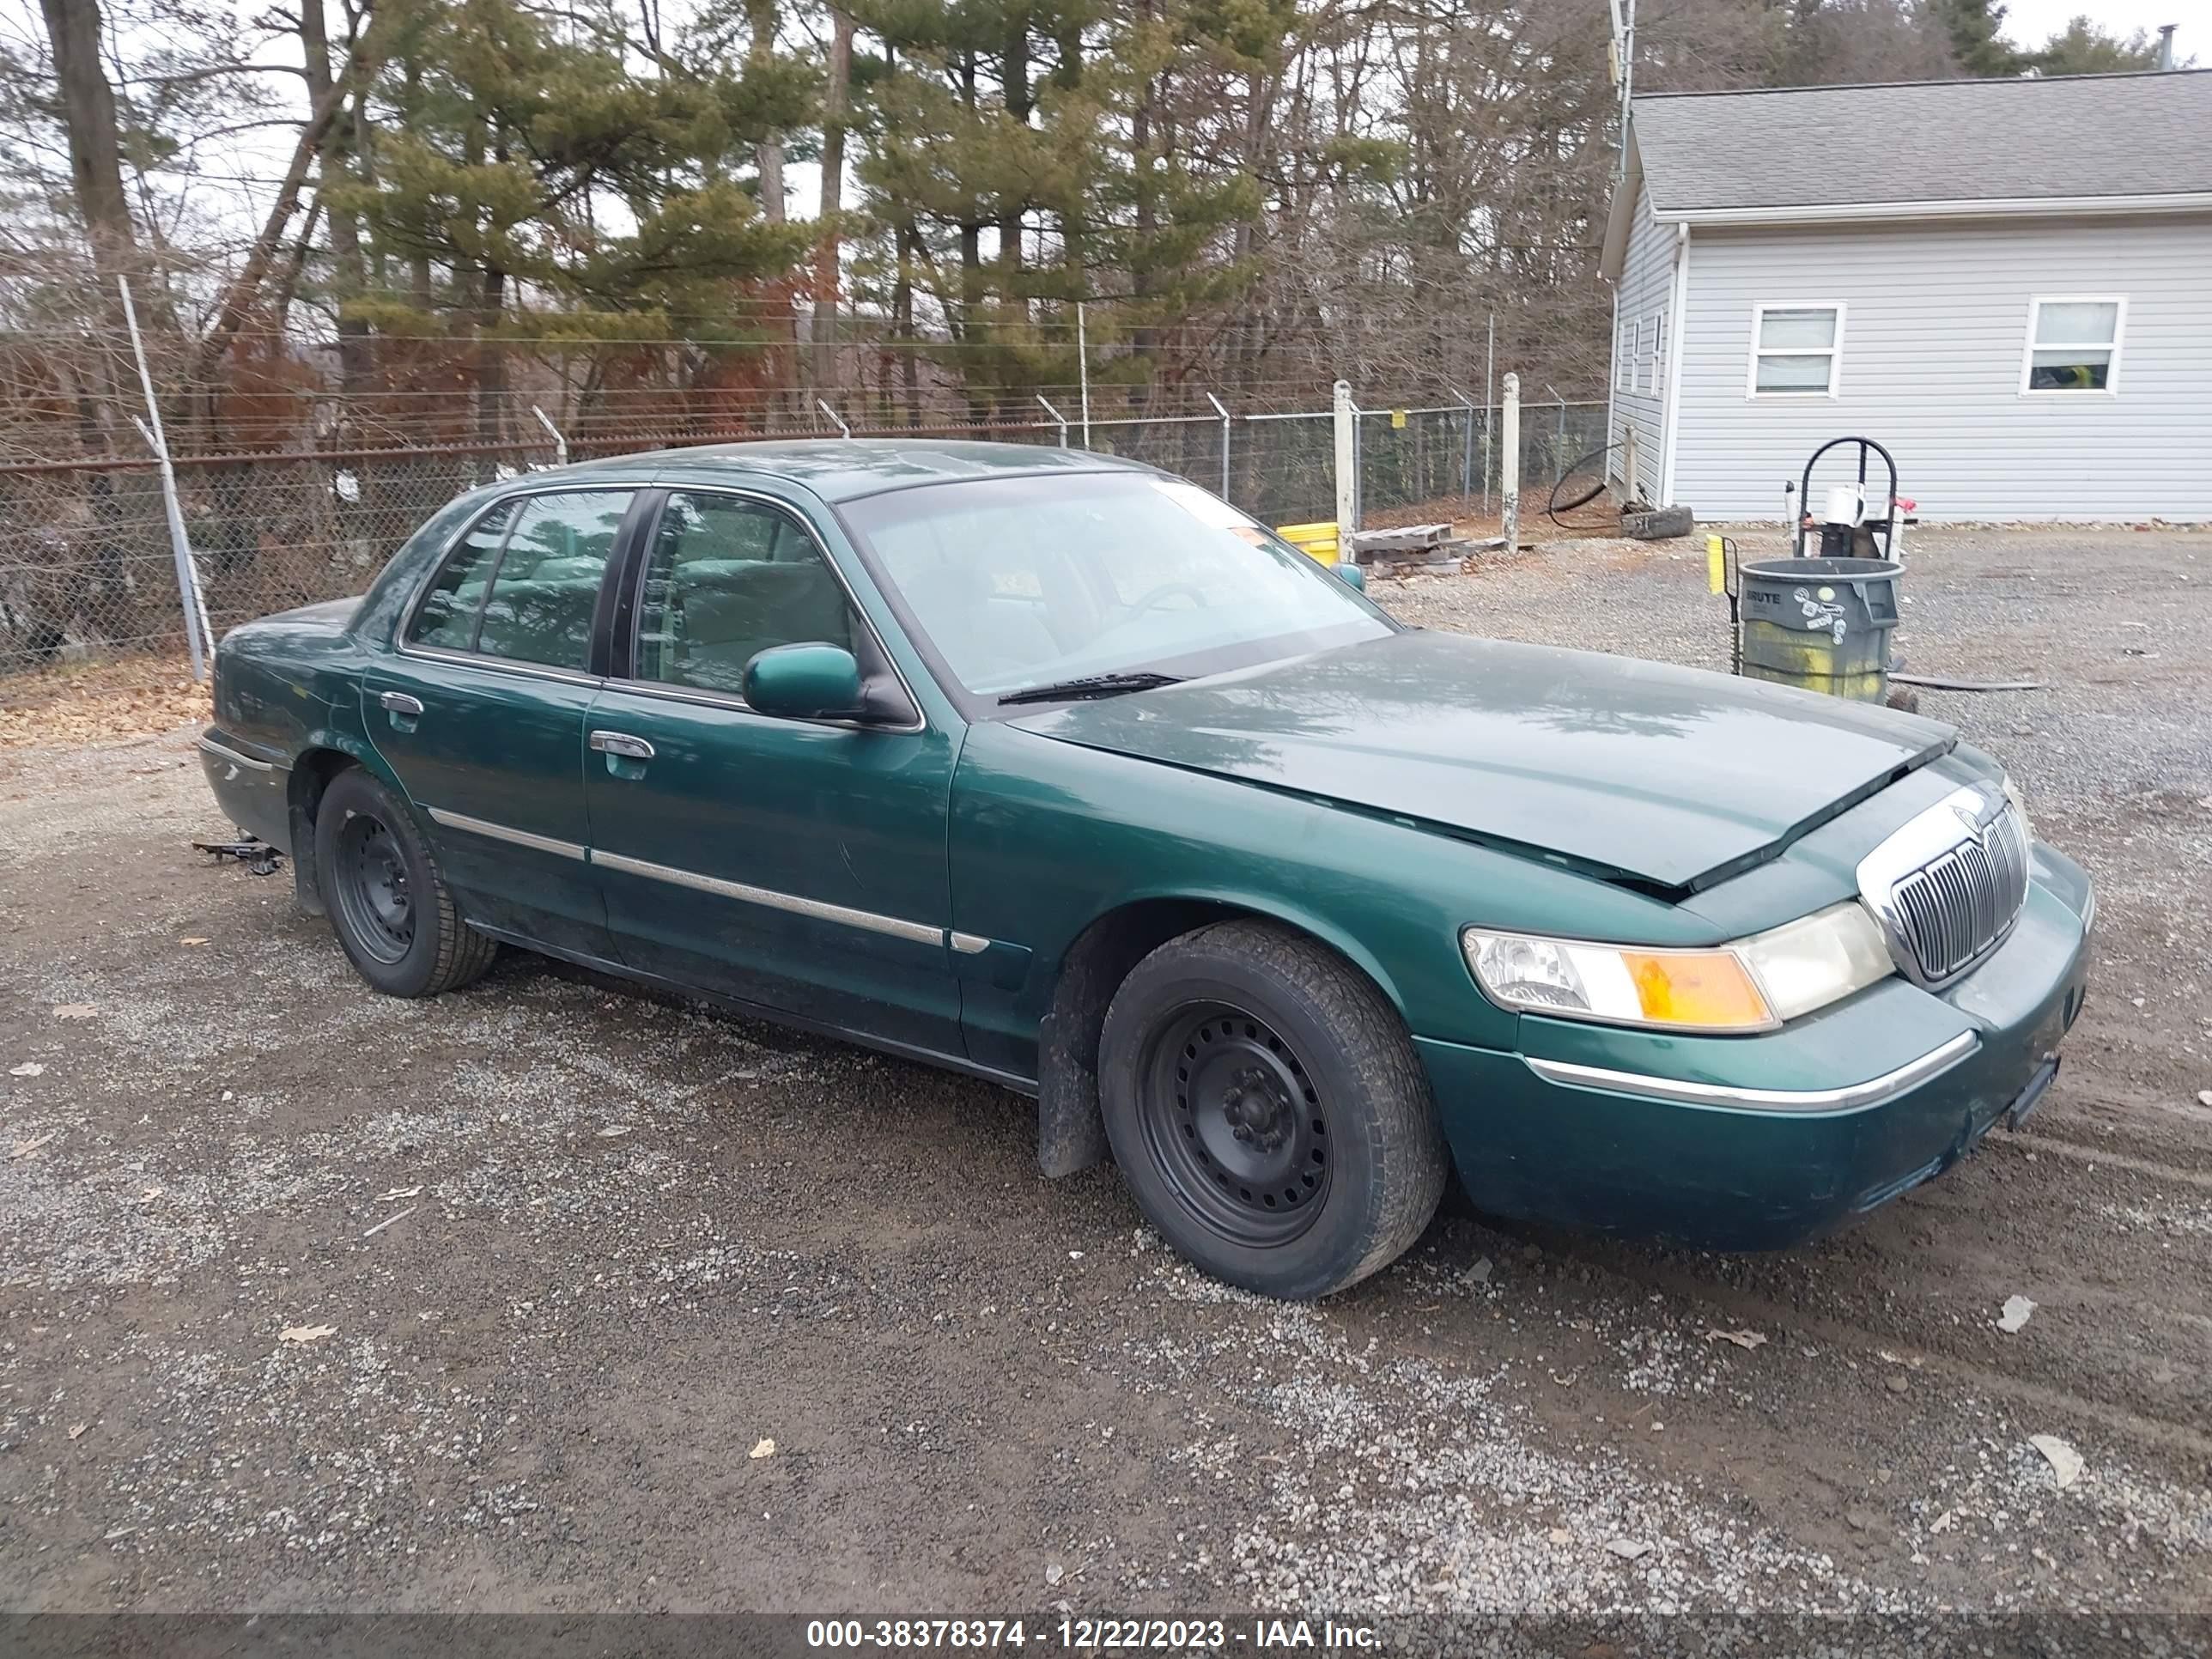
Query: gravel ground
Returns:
{"type": "Point", "coordinates": [582, 1255]}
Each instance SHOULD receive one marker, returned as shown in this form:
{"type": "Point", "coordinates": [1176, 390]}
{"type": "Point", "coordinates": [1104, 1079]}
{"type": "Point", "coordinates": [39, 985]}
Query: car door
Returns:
{"type": "Point", "coordinates": [798, 864]}
{"type": "Point", "coordinates": [479, 711]}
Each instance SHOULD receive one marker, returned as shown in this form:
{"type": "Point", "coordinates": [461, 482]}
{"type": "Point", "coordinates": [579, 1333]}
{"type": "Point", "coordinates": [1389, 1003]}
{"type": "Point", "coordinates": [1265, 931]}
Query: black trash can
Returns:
{"type": "Point", "coordinates": [1822, 625]}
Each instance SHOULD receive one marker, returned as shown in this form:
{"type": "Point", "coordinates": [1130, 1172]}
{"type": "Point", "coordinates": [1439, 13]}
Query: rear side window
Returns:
{"type": "Point", "coordinates": [547, 584]}
{"type": "Point", "coordinates": [524, 582]}
{"type": "Point", "coordinates": [448, 616]}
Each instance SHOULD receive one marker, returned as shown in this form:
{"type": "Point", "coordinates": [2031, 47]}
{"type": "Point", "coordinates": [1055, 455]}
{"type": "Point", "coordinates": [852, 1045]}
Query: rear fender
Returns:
{"type": "Point", "coordinates": [328, 750]}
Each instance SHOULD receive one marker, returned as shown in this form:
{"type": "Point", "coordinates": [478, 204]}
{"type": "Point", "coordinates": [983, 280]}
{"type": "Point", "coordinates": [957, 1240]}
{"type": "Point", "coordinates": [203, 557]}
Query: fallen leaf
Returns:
{"type": "Point", "coordinates": [1560, 1535]}
{"type": "Point", "coordinates": [191, 941]}
{"type": "Point", "coordinates": [2016, 1311]}
{"type": "Point", "coordinates": [28, 1068]}
{"type": "Point", "coordinates": [764, 1448]}
{"type": "Point", "coordinates": [306, 1333]}
{"type": "Point", "coordinates": [25, 1148]}
{"type": "Point", "coordinates": [1628, 1549]}
{"type": "Point", "coordinates": [1055, 1572]}
{"type": "Point", "coordinates": [2065, 1462]}
{"type": "Point", "coordinates": [76, 1010]}
{"type": "Point", "coordinates": [76, 1430]}
{"type": "Point", "coordinates": [1480, 1272]}
{"type": "Point", "coordinates": [1742, 1339]}
{"type": "Point", "coordinates": [394, 1194]}
{"type": "Point", "coordinates": [608, 1134]}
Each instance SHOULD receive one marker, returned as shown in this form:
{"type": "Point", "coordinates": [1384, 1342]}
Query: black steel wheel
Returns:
{"type": "Point", "coordinates": [397, 923]}
{"type": "Point", "coordinates": [1230, 1108]}
{"type": "Point", "coordinates": [1268, 1109]}
{"type": "Point", "coordinates": [370, 877]}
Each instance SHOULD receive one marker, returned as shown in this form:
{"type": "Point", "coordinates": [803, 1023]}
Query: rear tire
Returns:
{"type": "Point", "coordinates": [387, 903]}
{"type": "Point", "coordinates": [1268, 1111]}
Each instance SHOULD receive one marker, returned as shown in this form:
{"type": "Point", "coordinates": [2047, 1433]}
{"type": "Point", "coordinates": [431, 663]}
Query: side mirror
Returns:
{"type": "Point", "coordinates": [1352, 574]}
{"type": "Point", "coordinates": [806, 681]}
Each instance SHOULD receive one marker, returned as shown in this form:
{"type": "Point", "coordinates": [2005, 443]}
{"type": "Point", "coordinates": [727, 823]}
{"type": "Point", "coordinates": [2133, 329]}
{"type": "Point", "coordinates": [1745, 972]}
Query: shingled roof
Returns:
{"type": "Point", "coordinates": [1914, 148]}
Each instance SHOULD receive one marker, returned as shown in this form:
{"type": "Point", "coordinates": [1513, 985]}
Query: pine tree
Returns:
{"type": "Point", "coordinates": [563, 191]}
{"type": "Point", "coordinates": [1974, 29]}
{"type": "Point", "coordinates": [2084, 47]}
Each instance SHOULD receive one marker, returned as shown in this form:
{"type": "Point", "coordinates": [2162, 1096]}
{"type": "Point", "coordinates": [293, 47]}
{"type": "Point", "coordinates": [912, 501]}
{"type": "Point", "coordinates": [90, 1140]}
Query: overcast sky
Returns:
{"type": "Point", "coordinates": [2031, 22]}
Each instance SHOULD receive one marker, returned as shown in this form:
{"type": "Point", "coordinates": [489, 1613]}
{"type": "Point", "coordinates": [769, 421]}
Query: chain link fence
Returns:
{"type": "Point", "coordinates": [86, 567]}
{"type": "Point", "coordinates": [1442, 459]}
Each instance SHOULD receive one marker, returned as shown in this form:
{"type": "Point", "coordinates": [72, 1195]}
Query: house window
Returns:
{"type": "Point", "coordinates": [1658, 347]}
{"type": "Point", "coordinates": [1624, 359]}
{"type": "Point", "coordinates": [2072, 345]}
{"type": "Point", "coordinates": [1795, 351]}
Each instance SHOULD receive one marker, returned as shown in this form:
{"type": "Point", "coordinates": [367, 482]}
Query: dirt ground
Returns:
{"type": "Point", "coordinates": [312, 1300]}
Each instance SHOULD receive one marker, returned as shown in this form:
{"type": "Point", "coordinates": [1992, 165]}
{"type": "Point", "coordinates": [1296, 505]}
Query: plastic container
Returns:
{"type": "Point", "coordinates": [1318, 541]}
{"type": "Point", "coordinates": [1822, 625]}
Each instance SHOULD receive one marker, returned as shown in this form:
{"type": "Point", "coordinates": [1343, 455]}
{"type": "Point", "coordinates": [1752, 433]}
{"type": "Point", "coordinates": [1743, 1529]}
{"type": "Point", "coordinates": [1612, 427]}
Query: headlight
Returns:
{"type": "Point", "coordinates": [1751, 985]}
{"type": "Point", "coordinates": [2020, 805]}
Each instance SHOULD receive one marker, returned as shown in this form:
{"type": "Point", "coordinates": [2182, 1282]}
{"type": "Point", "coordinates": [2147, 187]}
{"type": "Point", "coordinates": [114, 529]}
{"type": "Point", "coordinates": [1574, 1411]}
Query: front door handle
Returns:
{"type": "Point", "coordinates": [622, 743]}
{"type": "Point", "coordinates": [402, 710]}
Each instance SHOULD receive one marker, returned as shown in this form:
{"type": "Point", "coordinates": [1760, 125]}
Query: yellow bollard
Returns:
{"type": "Point", "coordinates": [1716, 565]}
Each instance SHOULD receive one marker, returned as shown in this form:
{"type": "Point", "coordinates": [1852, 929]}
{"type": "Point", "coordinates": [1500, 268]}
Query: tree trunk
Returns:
{"type": "Point", "coordinates": [243, 289]}
{"type": "Point", "coordinates": [87, 109]}
{"type": "Point", "coordinates": [348, 274]}
{"type": "Point", "coordinates": [761, 15]}
{"type": "Point", "coordinates": [829, 248]}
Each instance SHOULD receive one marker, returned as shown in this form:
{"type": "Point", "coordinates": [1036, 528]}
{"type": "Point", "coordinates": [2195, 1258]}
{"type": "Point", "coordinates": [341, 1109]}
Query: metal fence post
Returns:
{"type": "Point", "coordinates": [1083, 369]}
{"type": "Point", "coordinates": [1467, 459]}
{"type": "Point", "coordinates": [1489, 400]}
{"type": "Point", "coordinates": [1347, 463]}
{"type": "Point", "coordinates": [1508, 489]}
{"type": "Point", "coordinates": [1223, 413]}
{"type": "Point", "coordinates": [199, 638]}
{"type": "Point", "coordinates": [1057, 416]}
{"type": "Point", "coordinates": [560, 443]}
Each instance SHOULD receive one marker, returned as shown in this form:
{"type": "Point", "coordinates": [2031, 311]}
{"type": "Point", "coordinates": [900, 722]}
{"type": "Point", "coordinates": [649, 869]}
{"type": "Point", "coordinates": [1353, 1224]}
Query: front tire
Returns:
{"type": "Point", "coordinates": [387, 903]}
{"type": "Point", "coordinates": [1268, 1109]}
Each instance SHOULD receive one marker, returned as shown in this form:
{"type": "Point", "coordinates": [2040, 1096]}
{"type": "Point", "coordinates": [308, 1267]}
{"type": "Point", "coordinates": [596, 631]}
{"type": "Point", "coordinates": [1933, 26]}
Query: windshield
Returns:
{"type": "Point", "coordinates": [1023, 582]}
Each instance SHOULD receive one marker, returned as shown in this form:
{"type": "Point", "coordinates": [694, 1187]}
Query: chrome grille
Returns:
{"type": "Point", "coordinates": [1944, 911]}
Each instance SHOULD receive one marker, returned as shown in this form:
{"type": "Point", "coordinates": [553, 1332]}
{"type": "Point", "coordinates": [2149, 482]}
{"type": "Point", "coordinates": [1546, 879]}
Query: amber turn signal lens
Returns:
{"type": "Point", "coordinates": [1707, 989]}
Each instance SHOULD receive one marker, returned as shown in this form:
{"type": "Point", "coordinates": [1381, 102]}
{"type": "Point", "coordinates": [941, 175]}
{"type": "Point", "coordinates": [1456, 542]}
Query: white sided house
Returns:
{"type": "Point", "coordinates": [2007, 282]}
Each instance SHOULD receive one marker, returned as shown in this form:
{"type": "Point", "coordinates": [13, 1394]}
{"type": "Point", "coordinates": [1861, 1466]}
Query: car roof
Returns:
{"type": "Point", "coordinates": [843, 469]}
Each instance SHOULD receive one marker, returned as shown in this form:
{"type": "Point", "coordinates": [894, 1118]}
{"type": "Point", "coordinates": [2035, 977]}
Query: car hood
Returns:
{"type": "Point", "coordinates": [1665, 775]}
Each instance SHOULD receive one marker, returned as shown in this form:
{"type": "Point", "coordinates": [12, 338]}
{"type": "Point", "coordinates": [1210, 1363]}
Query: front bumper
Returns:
{"type": "Point", "coordinates": [1757, 1143]}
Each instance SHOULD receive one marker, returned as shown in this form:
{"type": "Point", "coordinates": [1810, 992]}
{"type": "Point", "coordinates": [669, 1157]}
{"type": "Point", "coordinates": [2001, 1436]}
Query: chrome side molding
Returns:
{"type": "Point", "coordinates": [1851, 1097]}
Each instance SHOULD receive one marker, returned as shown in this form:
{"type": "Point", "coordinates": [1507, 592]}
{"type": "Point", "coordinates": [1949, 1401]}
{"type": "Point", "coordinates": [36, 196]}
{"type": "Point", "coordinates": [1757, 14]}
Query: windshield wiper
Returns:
{"type": "Point", "coordinates": [1091, 686]}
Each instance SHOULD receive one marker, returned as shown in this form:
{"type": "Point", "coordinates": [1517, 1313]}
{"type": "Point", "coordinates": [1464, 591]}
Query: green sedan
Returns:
{"type": "Point", "coordinates": [1060, 771]}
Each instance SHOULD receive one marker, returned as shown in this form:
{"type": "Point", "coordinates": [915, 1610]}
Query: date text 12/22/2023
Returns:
{"type": "Point", "coordinates": [1092, 1635]}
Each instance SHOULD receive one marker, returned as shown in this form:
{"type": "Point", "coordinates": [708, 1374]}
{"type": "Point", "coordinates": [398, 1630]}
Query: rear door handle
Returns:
{"type": "Point", "coordinates": [622, 743]}
{"type": "Point", "coordinates": [400, 704]}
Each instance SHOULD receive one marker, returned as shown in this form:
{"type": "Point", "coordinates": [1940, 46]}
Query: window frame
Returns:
{"type": "Point", "coordinates": [630, 606]}
{"type": "Point", "coordinates": [1624, 371]}
{"type": "Point", "coordinates": [1833, 352]}
{"type": "Point", "coordinates": [1658, 347]}
{"type": "Point", "coordinates": [2028, 347]}
{"type": "Point", "coordinates": [640, 491]}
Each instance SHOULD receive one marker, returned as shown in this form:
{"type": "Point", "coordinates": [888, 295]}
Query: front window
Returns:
{"type": "Point", "coordinates": [1794, 350]}
{"type": "Point", "coordinates": [2073, 345]}
{"type": "Point", "coordinates": [1018, 583]}
{"type": "Point", "coordinates": [727, 579]}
